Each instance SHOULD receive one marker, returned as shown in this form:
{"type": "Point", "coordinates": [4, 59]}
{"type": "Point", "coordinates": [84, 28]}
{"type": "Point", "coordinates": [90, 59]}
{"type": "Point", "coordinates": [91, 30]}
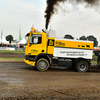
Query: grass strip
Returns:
{"type": "Point", "coordinates": [12, 58]}
{"type": "Point", "coordinates": [6, 51]}
{"type": "Point", "coordinates": [94, 62]}
{"type": "Point", "coordinates": [94, 56]}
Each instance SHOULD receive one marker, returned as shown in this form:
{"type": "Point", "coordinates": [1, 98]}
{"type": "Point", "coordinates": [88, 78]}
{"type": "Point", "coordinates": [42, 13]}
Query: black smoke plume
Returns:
{"type": "Point", "coordinates": [50, 9]}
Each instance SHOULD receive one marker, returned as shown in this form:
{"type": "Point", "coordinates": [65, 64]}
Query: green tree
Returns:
{"type": "Point", "coordinates": [67, 36]}
{"type": "Point", "coordinates": [9, 38]}
{"type": "Point", "coordinates": [92, 38]}
{"type": "Point", "coordinates": [83, 38]}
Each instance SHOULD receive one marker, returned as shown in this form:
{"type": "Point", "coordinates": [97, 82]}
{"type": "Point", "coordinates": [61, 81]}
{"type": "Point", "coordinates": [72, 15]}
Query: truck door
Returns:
{"type": "Point", "coordinates": [35, 45]}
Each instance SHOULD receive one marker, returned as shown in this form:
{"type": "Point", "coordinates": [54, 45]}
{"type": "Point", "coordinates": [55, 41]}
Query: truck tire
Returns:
{"type": "Point", "coordinates": [42, 64]}
{"type": "Point", "coordinates": [82, 66]}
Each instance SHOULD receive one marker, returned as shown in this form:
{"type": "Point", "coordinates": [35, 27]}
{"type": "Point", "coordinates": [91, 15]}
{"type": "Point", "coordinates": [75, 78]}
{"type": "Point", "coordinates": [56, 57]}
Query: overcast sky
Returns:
{"type": "Point", "coordinates": [73, 20]}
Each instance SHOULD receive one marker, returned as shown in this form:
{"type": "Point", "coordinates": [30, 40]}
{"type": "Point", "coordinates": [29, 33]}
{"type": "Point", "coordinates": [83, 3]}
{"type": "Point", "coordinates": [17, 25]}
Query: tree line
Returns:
{"type": "Point", "coordinates": [89, 38]}
{"type": "Point", "coordinates": [9, 38]}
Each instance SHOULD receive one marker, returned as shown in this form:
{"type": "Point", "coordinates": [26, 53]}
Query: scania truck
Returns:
{"type": "Point", "coordinates": [43, 51]}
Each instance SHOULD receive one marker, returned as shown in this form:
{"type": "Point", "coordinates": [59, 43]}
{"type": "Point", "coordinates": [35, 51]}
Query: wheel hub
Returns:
{"type": "Point", "coordinates": [82, 67]}
{"type": "Point", "coordinates": [42, 64]}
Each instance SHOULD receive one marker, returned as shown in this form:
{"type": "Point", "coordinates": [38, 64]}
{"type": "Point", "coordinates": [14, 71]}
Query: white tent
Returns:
{"type": "Point", "coordinates": [52, 33]}
{"type": "Point", "coordinates": [23, 41]}
{"type": "Point", "coordinates": [3, 40]}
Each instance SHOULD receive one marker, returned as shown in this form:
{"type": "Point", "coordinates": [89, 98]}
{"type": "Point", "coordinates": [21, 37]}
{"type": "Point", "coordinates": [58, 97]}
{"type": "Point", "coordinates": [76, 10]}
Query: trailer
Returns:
{"type": "Point", "coordinates": [43, 51]}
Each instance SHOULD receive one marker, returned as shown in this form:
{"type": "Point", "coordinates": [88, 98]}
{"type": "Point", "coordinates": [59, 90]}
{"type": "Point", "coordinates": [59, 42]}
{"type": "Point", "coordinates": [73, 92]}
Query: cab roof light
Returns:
{"type": "Point", "coordinates": [32, 29]}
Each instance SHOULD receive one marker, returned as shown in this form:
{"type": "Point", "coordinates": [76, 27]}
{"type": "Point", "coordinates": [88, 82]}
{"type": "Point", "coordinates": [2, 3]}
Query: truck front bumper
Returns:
{"type": "Point", "coordinates": [30, 62]}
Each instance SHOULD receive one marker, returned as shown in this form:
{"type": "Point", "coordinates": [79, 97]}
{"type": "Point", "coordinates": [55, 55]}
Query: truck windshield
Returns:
{"type": "Point", "coordinates": [36, 39]}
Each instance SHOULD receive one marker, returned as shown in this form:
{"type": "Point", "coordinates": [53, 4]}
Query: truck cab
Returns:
{"type": "Point", "coordinates": [36, 45]}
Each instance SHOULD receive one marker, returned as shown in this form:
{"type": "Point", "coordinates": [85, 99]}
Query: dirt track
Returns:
{"type": "Point", "coordinates": [12, 55]}
{"type": "Point", "coordinates": [19, 81]}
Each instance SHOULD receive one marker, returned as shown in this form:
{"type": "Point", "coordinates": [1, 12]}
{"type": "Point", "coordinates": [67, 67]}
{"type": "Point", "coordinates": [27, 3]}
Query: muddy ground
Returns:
{"type": "Point", "coordinates": [12, 55]}
{"type": "Point", "coordinates": [19, 81]}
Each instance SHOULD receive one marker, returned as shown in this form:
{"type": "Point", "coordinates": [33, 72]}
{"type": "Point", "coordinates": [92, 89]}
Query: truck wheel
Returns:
{"type": "Point", "coordinates": [82, 66]}
{"type": "Point", "coordinates": [42, 64]}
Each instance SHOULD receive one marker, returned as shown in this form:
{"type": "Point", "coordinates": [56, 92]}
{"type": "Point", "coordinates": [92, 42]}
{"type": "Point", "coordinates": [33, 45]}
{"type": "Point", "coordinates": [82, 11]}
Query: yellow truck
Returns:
{"type": "Point", "coordinates": [44, 51]}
